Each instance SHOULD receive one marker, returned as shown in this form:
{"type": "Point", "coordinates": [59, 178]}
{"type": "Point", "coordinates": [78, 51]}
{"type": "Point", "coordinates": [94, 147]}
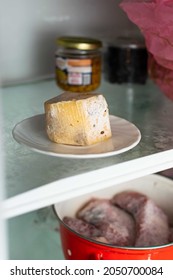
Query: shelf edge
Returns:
{"type": "Point", "coordinates": [81, 184]}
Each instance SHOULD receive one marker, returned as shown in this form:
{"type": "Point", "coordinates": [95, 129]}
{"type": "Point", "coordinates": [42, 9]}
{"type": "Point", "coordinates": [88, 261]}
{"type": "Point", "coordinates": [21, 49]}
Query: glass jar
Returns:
{"type": "Point", "coordinates": [127, 61]}
{"type": "Point", "coordinates": [78, 64]}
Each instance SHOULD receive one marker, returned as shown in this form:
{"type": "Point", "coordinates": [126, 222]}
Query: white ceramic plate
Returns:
{"type": "Point", "coordinates": [31, 132]}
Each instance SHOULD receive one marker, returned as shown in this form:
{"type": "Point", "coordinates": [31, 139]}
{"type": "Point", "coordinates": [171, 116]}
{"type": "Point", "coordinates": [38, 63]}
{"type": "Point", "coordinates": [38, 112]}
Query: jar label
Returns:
{"type": "Point", "coordinates": [74, 71]}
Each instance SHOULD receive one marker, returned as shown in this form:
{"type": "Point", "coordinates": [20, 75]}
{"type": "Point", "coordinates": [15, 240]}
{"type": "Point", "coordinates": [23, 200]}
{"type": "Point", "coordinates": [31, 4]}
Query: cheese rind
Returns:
{"type": "Point", "coordinates": [77, 119]}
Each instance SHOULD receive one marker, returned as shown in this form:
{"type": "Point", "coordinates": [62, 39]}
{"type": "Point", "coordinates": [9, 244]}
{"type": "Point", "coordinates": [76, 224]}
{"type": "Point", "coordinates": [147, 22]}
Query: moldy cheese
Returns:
{"type": "Point", "coordinates": [77, 119]}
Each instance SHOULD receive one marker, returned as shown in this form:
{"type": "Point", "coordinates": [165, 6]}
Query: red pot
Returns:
{"type": "Point", "coordinates": [77, 247]}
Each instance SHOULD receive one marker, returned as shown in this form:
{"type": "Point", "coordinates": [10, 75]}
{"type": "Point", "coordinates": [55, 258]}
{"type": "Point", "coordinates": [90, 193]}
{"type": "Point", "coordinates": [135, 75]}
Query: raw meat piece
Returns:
{"type": "Point", "coordinates": [116, 225]}
{"type": "Point", "coordinates": [82, 227]}
{"type": "Point", "coordinates": [130, 201]}
{"type": "Point", "coordinates": [96, 211]}
{"type": "Point", "coordinates": [151, 222]}
{"type": "Point", "coordinates": [118, 233]}
{"type": "Point", "coordinates": [153, 226]}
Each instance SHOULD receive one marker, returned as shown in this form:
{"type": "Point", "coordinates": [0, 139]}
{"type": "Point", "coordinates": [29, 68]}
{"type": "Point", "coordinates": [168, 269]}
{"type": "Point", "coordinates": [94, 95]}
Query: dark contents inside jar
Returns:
{"type": "Point", "coordinates": [126, 61]}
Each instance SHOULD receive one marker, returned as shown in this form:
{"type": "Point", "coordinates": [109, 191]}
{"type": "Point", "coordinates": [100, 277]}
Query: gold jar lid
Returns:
{"type": "Point", "coordinates": [129, 43]}
{"type": "Point", "coordinates": [79, 43]}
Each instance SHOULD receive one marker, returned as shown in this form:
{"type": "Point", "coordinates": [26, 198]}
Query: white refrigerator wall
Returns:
{"type": "Point", "coordinates": [29, 28]}
{"type": "Point", "coordinates": [3, 233]}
